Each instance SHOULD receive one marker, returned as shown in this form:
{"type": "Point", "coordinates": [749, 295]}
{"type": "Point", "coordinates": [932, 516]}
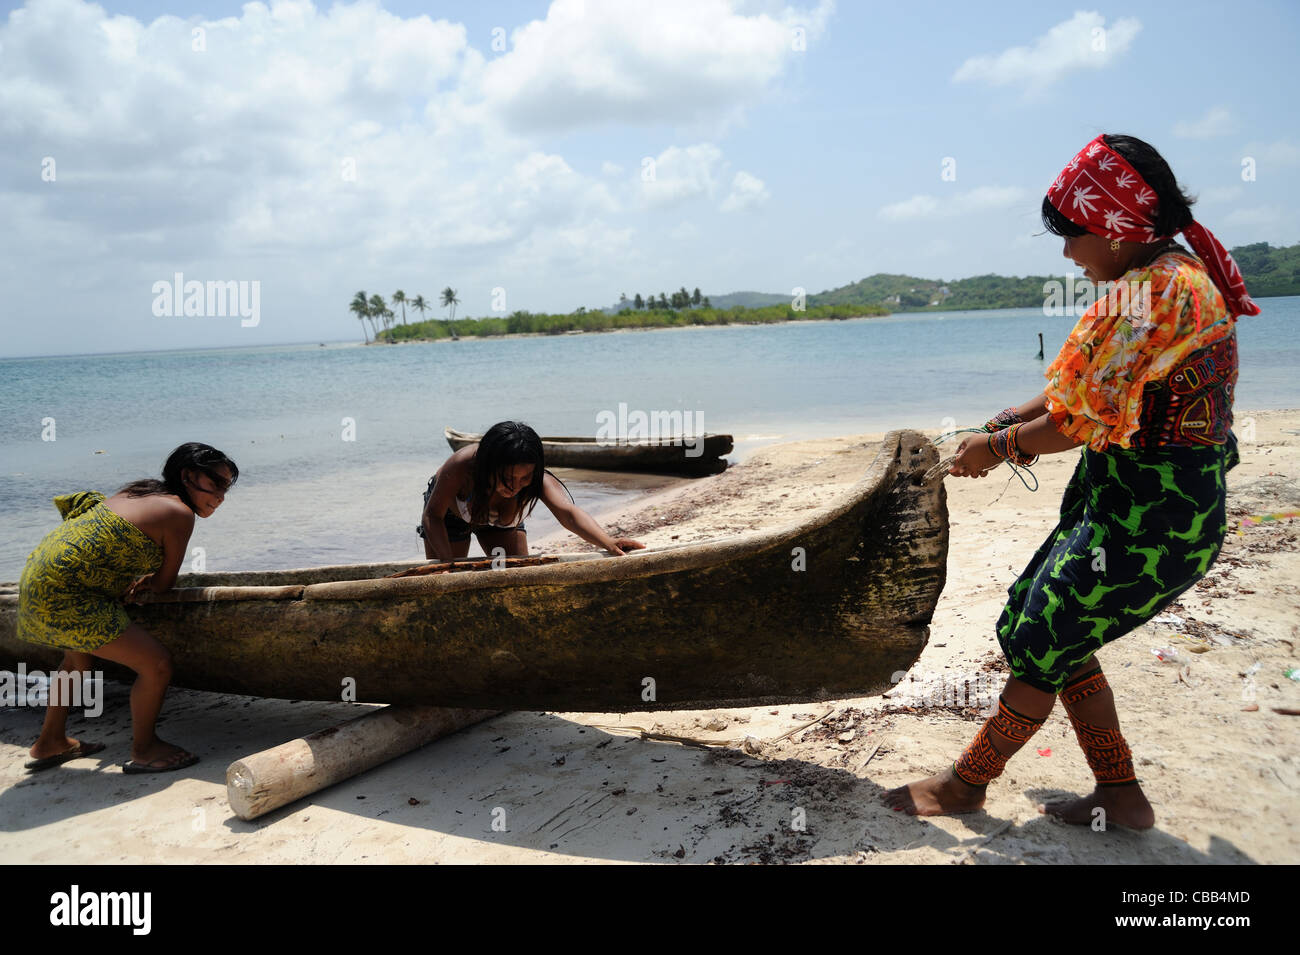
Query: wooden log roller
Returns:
{"type": "Point", "coordinates": [262, 782]}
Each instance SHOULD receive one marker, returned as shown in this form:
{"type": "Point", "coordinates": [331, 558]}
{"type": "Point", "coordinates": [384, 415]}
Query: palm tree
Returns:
{"type": "Point", "coordinates": [377, 309]}
{"type": "Point", "coordinates": [419, 304]}
{"type": "Point", "coordinates": [399, 298]}
{"type": "Point", "coordinates": [449, 299]}
{"type": "Point", "coordinates": [361, 308]}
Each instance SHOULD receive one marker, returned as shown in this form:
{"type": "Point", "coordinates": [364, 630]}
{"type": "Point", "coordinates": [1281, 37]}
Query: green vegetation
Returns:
{"type": "Point", "coordinates": [596, 321]}
{"type": "Point", "coordinates": [1267, 270]}
{"type": "Point", "coordinates": [907, 293]}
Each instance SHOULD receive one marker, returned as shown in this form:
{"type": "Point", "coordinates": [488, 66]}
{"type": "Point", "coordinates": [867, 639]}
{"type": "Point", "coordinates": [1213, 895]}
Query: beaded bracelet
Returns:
{"type": "Point", "coordinates": [1003, 419]}
{"type": "Point", "coordinates": [1018, 456]}
{"type": "Point", "coordinates": [1005, 444]}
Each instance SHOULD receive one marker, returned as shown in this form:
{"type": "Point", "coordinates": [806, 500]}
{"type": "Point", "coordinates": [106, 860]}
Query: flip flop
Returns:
{"type": "Point", "coordinates": [49, 762]}
{"type": "Point", "coordinates": [177, 761]}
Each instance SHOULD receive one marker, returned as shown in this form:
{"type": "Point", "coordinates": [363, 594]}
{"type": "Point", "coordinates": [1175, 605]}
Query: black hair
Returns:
{"type": "Point", "coordinates": [505, 445]}
{"type": "Point", "coordinates": [1173, 205]}
{"type": "Point", "coordinates": [203, 458]}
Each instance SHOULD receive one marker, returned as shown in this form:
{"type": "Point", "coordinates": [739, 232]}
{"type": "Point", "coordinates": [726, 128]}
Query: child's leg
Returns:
{"type": "Point", "coordinates": [1088, 700]}
{"type": "Point", "coordinates": [152, 663]}
{"type": "Point", "coordinates": [54, 738]}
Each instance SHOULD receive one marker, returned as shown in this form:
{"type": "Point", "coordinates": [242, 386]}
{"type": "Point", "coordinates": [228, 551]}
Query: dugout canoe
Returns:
{"type": "Point", "coordinates": [664, 456]}
{"type": "Point", "coordinates": [827, 607]}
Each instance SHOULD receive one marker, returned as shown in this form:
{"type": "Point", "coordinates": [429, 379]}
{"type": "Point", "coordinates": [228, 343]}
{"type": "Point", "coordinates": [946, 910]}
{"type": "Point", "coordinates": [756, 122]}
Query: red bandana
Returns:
{"type": "Point", "coordinates": [1101, 192]}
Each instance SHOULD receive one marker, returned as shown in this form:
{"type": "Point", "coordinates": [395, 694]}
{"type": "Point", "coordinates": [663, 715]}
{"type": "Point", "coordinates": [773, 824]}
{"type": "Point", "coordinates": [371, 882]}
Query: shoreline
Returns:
{"type": "Point", "coordinates": [582, 787]}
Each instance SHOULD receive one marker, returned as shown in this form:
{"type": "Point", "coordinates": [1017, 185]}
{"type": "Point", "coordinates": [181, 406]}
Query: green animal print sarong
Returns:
{"type": "Point", "coordinates": [1138, 527]}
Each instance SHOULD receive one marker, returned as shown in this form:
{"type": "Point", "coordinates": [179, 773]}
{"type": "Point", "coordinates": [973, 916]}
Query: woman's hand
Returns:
{"type": "Point", "coordinates": [974, 459]}
{"type": "Point", "coordinates": [132, 595]}
{"type": "Point", "coordinates": [622, 544]}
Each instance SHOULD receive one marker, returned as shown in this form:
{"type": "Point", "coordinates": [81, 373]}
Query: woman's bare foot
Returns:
{"type": "Point", "coordinates": [940, 795]}
{"type": "Point", "coordinates": [1122, 805]}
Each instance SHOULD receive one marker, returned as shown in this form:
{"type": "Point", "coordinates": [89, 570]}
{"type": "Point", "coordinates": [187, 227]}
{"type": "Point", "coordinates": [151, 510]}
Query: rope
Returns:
{"type": "Point", "coordinates": [942, 467]}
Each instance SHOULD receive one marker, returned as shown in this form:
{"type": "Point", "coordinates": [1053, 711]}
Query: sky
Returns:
{"type": "Point", "coordinates": [548, 156]}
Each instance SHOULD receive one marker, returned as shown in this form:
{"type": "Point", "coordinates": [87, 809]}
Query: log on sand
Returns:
{"type": "Point", "coordinates": [257, 784]}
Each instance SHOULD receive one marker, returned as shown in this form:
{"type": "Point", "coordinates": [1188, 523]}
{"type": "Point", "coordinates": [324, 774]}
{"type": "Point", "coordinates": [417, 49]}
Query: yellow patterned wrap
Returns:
{"type": "Point", "coordinates": [71, 588]}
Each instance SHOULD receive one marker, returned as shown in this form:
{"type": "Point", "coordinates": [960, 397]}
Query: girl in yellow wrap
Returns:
{"type": "Point", "coordinates": [107, 551]}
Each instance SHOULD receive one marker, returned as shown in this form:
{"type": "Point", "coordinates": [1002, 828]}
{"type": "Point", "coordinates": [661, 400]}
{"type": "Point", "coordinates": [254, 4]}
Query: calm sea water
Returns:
{"type": "Point", "coordinates": [306, 496]}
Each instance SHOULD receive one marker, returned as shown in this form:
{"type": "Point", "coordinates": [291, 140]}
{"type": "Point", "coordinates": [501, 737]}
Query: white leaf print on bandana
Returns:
{"type": "Point", "coordinates": [1115, 221]}
{"type": "Point", "coordinates": [1082, 195]}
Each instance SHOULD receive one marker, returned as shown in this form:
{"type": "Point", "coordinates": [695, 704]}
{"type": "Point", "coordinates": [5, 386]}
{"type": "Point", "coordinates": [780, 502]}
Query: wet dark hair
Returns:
{"type": "Point", "coordinates": [506, 444]}
{"type": "Point", "coordinates": [1173, 205]}
{"type": "Point", "coordinates": [193, 456]}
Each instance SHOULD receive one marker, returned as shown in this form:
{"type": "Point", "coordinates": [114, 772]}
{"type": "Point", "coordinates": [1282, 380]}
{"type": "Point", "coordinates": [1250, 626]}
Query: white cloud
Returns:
{"type": "Point", "coordinates": [1279, 153]}
{"type": "Point", "coordinates": [1216, 122]}
{"type": "Point", "coordinates": [1258, 215]}
{"type": "Point", "coordinates": [975, 200]}
{"type": "Point", "coordinates": [746, 191]}
{"type": "Point", "coordinates": [692, 174]}
{"type": "Point", "coordinates": [1081, 43]}
{"type": "Point", "coordinates": [917, 207]}
{"type": "Point", "coordinates": [1219, 194]}
{"type": "Point", "coordinates": [680, 173]}
{"type": "Point", "coordinates": [592, 62]}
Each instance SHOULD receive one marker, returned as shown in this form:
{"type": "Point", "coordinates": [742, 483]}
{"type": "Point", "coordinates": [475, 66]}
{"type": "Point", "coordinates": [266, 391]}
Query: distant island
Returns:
{"type": "Point", "coordinates": [1268, 271]}
{"type": "Point", "coordinates": [598, 320]}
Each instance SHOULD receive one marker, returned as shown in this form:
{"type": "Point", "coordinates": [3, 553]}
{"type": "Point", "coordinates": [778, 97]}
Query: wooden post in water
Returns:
{"type": "Point", "coordinates": [275, 777]}
{"type": "Point", "coordinates": [1040, 345]}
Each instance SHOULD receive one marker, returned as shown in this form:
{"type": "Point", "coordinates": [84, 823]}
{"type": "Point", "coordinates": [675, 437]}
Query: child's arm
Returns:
{"type": "Point", "coordinates": [577, 521]}
{"type": "Point", "coordinates": [177, 526]}
{"type": "Point", "coordinates": [436, 543]}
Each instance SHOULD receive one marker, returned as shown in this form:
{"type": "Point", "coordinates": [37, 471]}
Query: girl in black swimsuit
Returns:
{"type": "Point", "coordinates": [487, 489]}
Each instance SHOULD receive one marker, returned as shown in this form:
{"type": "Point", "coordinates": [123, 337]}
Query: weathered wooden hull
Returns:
{"type": "Point", "coordinates": [725, 623]}
{"type": "Point", "coordinates": [653, 457]}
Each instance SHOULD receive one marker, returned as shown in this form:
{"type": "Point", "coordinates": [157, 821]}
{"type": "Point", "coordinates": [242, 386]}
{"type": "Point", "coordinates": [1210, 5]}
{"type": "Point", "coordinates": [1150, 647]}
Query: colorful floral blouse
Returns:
{"type": "Point", "coordinates": [1154, 362]}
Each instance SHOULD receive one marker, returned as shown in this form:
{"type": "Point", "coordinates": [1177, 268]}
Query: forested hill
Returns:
{"type": "Point", "coordinates": [1268, 271]}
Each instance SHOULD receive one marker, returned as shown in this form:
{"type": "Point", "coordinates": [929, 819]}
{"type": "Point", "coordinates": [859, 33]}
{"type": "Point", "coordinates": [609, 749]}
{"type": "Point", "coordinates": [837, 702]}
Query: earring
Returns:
{"type": "Point", "coordinates": [1114, 247]}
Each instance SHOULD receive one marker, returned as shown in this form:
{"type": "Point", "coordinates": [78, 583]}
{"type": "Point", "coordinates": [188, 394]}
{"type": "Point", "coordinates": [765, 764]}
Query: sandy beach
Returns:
{"type": "Point", "coordinates": [1219, 763]}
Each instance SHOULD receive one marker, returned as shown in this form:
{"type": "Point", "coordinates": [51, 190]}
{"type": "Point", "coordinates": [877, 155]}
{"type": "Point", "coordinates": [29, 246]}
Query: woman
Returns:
{"type": "Point", "coordinates": [487, 489]}
{"type": "Point", "coordinates": [1145, 381]}
{"type": "Point", "coordinates": [104, 552]}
